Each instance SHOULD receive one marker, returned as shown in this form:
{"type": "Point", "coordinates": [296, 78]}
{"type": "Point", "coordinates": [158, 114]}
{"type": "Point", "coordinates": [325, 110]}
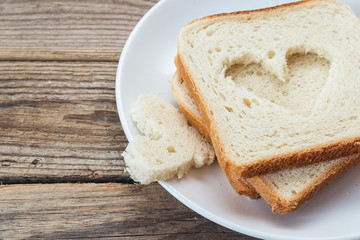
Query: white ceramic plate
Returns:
{"type": "Point", "coordinates": [146, 66]}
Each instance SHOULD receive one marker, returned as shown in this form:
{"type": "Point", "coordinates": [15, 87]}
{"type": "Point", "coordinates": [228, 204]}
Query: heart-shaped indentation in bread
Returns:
{"type": "Point", "coordinates": [306, 75]}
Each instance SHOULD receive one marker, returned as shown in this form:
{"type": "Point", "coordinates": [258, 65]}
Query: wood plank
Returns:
{"type": "Point", "coordinates": [54, 54]}
{"type": "Point", "coordinates": [67, 30]}
{"type": "Point", "coordinates": [54, 211]}
{"type": "Point", "coordinates": [59, 123]}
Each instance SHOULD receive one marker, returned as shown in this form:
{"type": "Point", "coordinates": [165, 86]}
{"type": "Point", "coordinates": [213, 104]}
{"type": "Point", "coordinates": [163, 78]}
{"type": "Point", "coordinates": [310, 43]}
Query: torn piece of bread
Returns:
{"type": "Point", "coordinates": [290, 119]}
{"type": "Point", "coordinates": [191, 112]}
{"type": "Point", "coordinates": [285, 190]}
{"type": "Point", "coordinates": [168, 147]}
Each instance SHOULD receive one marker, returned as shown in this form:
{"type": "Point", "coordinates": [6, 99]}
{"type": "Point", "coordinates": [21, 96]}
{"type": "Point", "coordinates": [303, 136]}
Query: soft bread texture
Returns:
{"type": "Point", "coordinates": [260, 130]}
{"type": "Point", "coordinates": [187, 104]}
{"type": "Point", "coordinates": [285, 190]}
{"type": "Point", "coordinates": [168, 147]}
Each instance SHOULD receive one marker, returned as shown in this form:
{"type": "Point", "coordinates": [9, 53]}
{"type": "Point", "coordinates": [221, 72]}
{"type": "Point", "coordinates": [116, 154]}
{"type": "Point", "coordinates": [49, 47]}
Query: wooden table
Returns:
{"type": "Point", "coordinates": [61, 171]}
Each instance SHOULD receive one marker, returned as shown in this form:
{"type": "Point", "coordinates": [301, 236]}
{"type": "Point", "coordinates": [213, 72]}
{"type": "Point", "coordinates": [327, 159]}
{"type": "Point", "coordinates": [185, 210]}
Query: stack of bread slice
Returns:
{"type": "Point", "coordinates": [276, 91]}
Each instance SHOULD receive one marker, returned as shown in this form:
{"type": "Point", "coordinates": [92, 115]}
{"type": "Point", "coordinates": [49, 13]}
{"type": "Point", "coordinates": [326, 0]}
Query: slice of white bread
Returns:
{"type": "Point", "coordinates": [290, 120]}
{"type": "Point", "coordinates": [168, 147]}
{"type": "Point", "coordinates": [191, 112]}
{"type": "Point", "coordinates": [285, 190]}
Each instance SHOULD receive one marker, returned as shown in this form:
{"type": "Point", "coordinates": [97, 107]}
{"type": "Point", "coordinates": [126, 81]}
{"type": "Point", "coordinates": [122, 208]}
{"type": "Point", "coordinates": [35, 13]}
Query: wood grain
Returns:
{"type": "Point", "coordinates": [124, 211]}
{"type": "Point", "coordinates": [66, 29]}
{"type": "Point", "coordinates": [59, 123]}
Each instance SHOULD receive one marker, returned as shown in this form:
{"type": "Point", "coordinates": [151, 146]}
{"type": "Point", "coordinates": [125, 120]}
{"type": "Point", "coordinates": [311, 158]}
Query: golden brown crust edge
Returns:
{"type": "Point", "coordinates": [241, 186]}
{"type": "Point", "coordinates": [283, 206]}
{"type": "Point", "coordinates": [320, 153]}
{"type": "Point", "coordinates": [252, 14]}
{"type": "Point", "coordinates": [189, 115]}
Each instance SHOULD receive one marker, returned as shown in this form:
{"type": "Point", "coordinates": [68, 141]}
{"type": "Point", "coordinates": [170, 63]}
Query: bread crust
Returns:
{"type": "Point", "coordinates": [282, 205]}
{"type": "Point", "coordinates": [190, 116]}
{"type": "Point", "coordinates": [305, 157]}
{"type": "Point", "coordinates": [256, 12]}
{"type": "Point", "coordinates": [319, 153]}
